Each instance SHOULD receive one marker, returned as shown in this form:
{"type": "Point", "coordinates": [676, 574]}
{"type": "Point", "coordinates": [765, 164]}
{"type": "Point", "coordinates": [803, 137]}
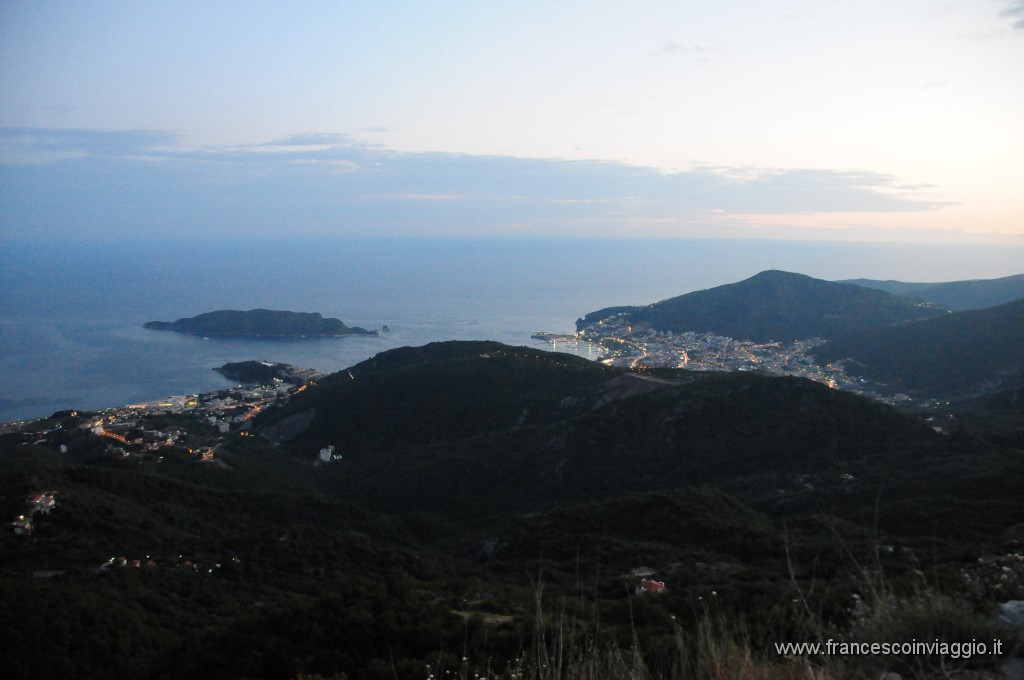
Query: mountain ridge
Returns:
{"type": "Point", "coordinates": [957, 354]}
{"type": "Point", "coordinates": [550, 443]}
{"type": "Point", "coordinates": [774, 305]}
{"type": "Point", "coordinates": [958, 296]}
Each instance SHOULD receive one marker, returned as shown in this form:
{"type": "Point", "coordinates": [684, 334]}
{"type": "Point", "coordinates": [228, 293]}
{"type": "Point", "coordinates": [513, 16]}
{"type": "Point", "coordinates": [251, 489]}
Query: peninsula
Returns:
{"type": "Point", "coordinates": [259, 323]}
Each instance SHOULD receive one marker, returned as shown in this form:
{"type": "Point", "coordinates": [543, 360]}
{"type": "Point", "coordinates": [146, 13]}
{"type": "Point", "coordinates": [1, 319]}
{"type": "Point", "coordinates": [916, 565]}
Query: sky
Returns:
{"type": "Point", "coordinates": [875, 120]}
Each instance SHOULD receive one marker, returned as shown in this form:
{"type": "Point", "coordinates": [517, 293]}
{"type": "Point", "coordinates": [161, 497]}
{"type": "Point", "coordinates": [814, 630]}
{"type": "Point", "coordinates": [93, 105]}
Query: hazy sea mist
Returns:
{"type": "Point", "coordinates": [71, 314]}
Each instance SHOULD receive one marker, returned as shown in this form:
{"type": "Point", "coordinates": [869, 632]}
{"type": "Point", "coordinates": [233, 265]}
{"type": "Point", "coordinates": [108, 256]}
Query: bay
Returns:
{"type": "Point", "coordinates": [71, 313]}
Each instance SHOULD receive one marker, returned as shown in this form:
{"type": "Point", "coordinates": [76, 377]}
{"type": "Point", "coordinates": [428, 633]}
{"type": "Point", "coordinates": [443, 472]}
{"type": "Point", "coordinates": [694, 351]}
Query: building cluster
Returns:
{"type": "Point", "coordinates": [637, 346]}
{"type": "Point", "coordinates": [193, 425]}
{"type": "Point", "coordinates": [39, 503]}
{"type": "Point", "coordinates": [150, 563]}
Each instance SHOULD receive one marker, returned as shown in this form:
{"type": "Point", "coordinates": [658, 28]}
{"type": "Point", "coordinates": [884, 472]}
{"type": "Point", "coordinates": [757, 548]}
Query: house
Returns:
{"type": "Point", "coordinates": [651, 587]}
{"type": "Point", "coordinates": [327, 454]}
{"type": "Point", "coordinates": [43, 502]}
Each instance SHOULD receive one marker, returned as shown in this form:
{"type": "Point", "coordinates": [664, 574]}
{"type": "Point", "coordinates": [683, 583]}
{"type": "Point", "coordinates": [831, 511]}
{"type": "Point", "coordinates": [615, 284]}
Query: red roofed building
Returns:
{"type": "Point", "coordinates": [651, 587]}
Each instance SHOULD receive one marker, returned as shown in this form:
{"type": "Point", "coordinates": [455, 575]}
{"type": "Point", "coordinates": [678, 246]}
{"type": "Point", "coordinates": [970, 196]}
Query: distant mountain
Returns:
{"type": "Point", "coordinates": [958, 296]}
{"type": "Point", "coordinates": [960, 354]}
{"type": "Point", "coordinates": [259, 323]}
{"type": "Point", "coordinates": [775, 305]}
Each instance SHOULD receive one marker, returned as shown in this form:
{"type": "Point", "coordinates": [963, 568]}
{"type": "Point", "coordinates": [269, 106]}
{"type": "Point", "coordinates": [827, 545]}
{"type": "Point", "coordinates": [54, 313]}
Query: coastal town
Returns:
{"type": "Point", "coordinates": [637, 346]}
{"type": "Point", "coordinates": [187, 429]}
{"type": "Point", "coordinates": [192, 425]}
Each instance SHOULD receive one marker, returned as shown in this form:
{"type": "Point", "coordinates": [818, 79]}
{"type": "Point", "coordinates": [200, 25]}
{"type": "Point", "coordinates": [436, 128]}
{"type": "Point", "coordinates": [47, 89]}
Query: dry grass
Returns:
{"type": "Point", "coordinates": [720, 646]}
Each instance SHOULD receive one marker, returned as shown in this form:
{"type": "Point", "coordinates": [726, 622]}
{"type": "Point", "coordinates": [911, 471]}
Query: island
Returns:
{"type": "Point", "coordinates": [259, 323]}
{"type": "Point", "coordinates": [265, 372]}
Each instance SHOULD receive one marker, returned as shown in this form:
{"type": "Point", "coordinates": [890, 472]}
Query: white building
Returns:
{"type": "Point", "coordinates": [327, 455]}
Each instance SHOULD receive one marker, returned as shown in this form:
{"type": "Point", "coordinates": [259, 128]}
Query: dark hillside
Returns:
{"type": "Point", "coordinates": [958, 296]}
{"type": "Point", "coordinates": [776, 305]}
{"type": "Point", "coordinates": [957, 355]}
{"type": "Point", "coordinates": [441, 392]}
{"type": "Point", "coordinates": [488, 501]}
{"type": "Point", "coordinates": [784, 445]}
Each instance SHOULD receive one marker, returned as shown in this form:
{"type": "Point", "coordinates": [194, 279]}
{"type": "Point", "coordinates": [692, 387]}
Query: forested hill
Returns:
{"type": "Point", "coordinates": [481, 501]}
{"type": "Point", "coordinates": [958, 296]}
{"type": "Point", "coordinates": [483, 430]}
{"type": "Point", "coordinates": [776, 305]}
{"type": "Point", "coordinates": [258, 323]}
{"type": "Point", "coordinates": [957, 354]}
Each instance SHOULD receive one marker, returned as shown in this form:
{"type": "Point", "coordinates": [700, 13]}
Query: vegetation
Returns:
{"type": "Point", "coordinates": [259, 323]}
{"type": "Point", "coordinates": [955, 356]}
{"type": "Point", "coordinates": [958, 296]}
{"type": "Point", "coordinates": [493, 512]}
{"type": "Point", "coordinates": [775, 305]}
{"type": "Point", "coordinates": [259, 372]}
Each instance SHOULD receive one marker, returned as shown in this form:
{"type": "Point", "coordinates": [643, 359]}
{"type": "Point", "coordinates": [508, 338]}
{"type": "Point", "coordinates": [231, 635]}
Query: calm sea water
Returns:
{"type": "Point", "coordinates": [71, 314]}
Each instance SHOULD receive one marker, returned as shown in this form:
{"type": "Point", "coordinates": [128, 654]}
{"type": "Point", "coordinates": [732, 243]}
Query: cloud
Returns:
{"type": "Point", "coordinates": [314, 139]}
{"type": "Point", "coordinates": [337, 164]}
{"type": "Point", "coordinates": [673, 46]}
{"type": "Point", "coordinates": [415, 197]}
{"type": "Point", "coordinates": [1014, 11]}
{"type": "Point", "coordinates": [31, 146]}
{"type": "Point", "coordinates": [87, 183]}
{"type": "Point", "coordinates": [802, 191]}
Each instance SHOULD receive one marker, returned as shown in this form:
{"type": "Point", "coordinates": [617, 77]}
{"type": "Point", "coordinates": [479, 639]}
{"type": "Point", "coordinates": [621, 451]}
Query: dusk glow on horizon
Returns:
{"type": "Point", "coordinates": [844, 120]}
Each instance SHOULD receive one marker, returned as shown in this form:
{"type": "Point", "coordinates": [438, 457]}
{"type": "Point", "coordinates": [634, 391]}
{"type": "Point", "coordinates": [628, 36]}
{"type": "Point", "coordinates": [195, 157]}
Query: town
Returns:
{"type": "Point", "coordinates": [190, 426]}
{"type": "Point", "coordinates": [184, 429]}
{"type": "Point", "coordinates": [639, 346]}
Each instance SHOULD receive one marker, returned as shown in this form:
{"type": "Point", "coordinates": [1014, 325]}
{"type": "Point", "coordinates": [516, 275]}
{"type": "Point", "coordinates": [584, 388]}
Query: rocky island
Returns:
{"type": "Point", "coordinates": [259, 323]}
{"type": "Point", "coordinates": [265, 372]}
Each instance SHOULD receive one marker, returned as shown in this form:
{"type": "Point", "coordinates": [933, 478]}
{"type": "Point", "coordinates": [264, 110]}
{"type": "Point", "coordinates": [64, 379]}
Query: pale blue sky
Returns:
{"type": "Point", "coordinates": [864, 119]}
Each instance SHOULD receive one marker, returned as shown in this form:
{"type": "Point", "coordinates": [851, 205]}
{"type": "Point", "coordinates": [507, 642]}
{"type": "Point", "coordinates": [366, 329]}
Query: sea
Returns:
{"type": "Point", "coordinates": [72, 312]}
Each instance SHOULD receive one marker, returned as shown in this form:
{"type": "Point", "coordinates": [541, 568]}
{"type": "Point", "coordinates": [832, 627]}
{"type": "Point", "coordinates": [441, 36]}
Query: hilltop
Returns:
{"type": "Point", "coordinates": [774, 305]}
{"type": "Point", "coordinates": [958, 296]}
{"type": "Point", "coordinates": [483, 430]}
{"type": "Point", "coordinates": [264, 323]}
